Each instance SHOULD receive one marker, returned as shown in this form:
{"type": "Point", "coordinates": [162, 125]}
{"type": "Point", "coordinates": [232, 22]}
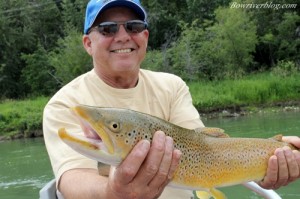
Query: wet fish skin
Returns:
{"type": "Point", "coordinates": [210, 158]}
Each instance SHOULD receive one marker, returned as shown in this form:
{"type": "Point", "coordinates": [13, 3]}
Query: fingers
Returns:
{"type": "Point", "coordinates": [283, 168]}
{"type": "Point", "coordinates": [129, 168]}
{"type": "Point", "coordinates": [162, 174]}
{"type": "Point", "coordinates": [271, 175]}
{"type": "Point", "coordinates": [294, 140]}
{"type": "Point", "coordinates": [147, 169]}
{"type": "Point", "coordinates": [297, 157]}
{"type": "Point", "coordinates": [293, 166]}
{"type": "Point", "coordinates": [175, 162]}
{"type": "Point", "coordinates": [156, 168]}
{"type": "Point", "coordinates": [283, 173]}
{"type": "Point", "coordinates": [168, 166]}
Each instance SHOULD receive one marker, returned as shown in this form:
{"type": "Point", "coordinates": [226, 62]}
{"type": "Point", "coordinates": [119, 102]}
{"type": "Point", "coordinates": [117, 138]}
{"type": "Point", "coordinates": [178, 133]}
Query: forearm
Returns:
{"type": "Point", "coordinates": [83, 183]}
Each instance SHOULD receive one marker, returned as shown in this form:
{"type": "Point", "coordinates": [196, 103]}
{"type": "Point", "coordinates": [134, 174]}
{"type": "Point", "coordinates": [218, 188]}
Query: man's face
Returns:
{"type": "Point", "coordinates": [120, 54]}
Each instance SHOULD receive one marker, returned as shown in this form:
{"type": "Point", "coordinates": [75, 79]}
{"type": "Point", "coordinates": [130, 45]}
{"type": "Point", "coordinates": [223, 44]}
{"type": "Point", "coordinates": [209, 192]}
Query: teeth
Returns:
{"type": "Point", "coordinates": [123, 50]}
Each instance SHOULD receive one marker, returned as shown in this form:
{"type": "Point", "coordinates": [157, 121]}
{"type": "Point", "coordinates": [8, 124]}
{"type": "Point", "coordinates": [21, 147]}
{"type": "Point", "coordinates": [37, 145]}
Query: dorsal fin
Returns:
{"type": "Point", "coordinates": [212, 131]}
{"type": "Point", "coordinates": [277, 138]}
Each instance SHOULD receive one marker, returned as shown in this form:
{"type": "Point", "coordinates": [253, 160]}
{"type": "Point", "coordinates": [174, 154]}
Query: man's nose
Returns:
{"type": "Point", "coordinates": [122, 34]}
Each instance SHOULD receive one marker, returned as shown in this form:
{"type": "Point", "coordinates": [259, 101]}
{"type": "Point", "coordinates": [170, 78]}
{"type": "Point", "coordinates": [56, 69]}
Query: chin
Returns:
{"type": "Point", "coordinates": [126, 68]}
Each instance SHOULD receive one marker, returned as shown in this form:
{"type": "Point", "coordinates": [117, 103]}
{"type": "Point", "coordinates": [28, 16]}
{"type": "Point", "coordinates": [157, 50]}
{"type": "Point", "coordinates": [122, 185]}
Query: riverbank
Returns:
{"type": "Point", "coordinates": [262, 92]}
{"type": "Point", "coordinates": [31, 132]}
{"type": "Point", "coordinates": [28, 118]}
{"type": "Point", "coordinates": [21, 118]}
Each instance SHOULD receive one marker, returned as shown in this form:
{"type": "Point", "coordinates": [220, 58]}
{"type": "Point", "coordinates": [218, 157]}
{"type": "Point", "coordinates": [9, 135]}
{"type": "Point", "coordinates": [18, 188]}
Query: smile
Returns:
{"type": "Point", "coordinates": [127, 50]}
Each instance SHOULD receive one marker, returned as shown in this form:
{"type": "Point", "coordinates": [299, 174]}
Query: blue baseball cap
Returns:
{"type": "Point", "coordinates": [95, 7]}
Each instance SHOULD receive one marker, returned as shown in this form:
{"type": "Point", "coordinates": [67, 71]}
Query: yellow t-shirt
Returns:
{"type": "Point", "coordinates": [160, 94]}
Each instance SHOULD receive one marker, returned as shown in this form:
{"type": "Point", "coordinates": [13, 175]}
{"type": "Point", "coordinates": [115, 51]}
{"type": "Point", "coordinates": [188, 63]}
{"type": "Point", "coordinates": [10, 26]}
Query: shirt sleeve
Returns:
{"type": "Point", "coordinates": [57, 114]}
{"type": "Point", "coordinates": [183, 112]}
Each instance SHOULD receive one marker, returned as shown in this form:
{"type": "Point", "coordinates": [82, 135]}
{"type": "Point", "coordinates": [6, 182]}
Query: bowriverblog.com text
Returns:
{"type": "Point", "coordinates": [267, 5]}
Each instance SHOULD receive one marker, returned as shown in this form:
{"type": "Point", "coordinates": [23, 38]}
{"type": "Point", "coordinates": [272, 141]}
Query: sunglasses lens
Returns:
{"type": "Point", "coordinates": [111, 28]}
{"type": "Point", "coordinates": [135, 26]}
{"type": "Point", "coordinates": [108, 28]}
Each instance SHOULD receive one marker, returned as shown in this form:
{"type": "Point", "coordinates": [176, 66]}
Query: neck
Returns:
{"type": "Point", "coordinates": [122, 81]}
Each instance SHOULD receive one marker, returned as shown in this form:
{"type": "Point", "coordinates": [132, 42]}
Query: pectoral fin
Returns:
{"type": "Point", "coordinates": [213, 132]}
{"type": "Point", "coordinates": [216, 194]}
{"type": "Point", "coordinates": [103, 169]}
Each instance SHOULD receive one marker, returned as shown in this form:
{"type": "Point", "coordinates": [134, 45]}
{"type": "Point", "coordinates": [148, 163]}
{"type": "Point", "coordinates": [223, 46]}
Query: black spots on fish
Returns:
{"type": "Point", "coordinates": [181, 160]}
{"type": "Point", "coordinates": [227, 163]}
{"type": "Point", "coordinates": [179, 146]}
{"type": "Point", "coordinates": [119, 135]}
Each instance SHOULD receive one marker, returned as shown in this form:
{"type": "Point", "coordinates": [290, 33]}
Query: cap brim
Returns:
{"type": "Point", "coordinates": [129, 4]}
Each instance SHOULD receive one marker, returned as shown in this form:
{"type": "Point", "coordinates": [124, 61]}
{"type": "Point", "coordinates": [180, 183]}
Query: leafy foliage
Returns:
{"type": "Point", "coordinates": [70, 59]}
{"type": "Point", "coordinates": [23, 27]}
{"type": "Point", "coordinates": [213, 51]}
{"type": "Point", "coordinates": [41, 48]}
{"type": "Point", "coordinates": [235, 40]}
{"type": "Point", "coordinates": [38, 74]}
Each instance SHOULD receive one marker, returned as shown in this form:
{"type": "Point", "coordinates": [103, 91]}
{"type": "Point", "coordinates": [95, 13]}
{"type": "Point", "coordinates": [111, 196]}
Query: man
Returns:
{"type": "Point", "coordinates": [116, 37]}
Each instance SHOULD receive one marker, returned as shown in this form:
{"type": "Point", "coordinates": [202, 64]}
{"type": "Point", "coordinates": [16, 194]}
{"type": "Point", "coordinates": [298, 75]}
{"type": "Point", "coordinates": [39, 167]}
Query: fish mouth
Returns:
{"type": "Point", "coordinates": [93, 130]}
{"type": "Point", "coordinates": [89, 147]}
{"type": "Point", "coordinates": [95, 142]}
{"type": "Point", "coordinates": [88, 143]}
{"type": "Point", "coordinates": [88, 131]}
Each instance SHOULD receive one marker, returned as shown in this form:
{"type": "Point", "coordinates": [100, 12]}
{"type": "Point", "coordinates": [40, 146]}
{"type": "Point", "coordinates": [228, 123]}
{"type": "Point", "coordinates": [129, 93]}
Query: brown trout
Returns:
{"type": "Point", "coordinates": [209, 158]}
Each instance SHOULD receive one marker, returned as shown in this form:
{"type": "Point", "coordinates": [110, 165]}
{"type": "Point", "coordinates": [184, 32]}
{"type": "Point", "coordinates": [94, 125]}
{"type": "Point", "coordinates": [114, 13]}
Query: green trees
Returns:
{"type": "Point", "coordinates": [213, 50]}
{"type": "Point", "coordinates": [235, 40]}
{"type": "Point", "coordinates": [288, 38]}
{"type": "Point", "coordinates": [69, 59]}
{"type": "Point", "coordinates": [41, 49]}
{"type": "Point", "coordinates": [24, 26]}
{"type": "Point", "coordinates": [37, 76]}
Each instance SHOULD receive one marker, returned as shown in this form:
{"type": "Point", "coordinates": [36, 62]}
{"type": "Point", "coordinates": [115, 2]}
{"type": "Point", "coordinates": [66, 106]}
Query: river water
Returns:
{"type": "Point", "coordinates": [25, 167]}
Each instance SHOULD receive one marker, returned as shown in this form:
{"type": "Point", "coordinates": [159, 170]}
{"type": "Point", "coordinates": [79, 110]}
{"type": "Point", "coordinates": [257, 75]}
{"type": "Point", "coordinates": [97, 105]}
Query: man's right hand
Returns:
{"type": "Point", "coordinates": [146, 170]}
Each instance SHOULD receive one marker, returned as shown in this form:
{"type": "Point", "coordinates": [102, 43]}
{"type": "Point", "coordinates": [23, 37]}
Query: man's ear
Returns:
{"type": "Point", "coordinates": [87, 43]}
{"type": "Point", "coordinates": [146, 34]}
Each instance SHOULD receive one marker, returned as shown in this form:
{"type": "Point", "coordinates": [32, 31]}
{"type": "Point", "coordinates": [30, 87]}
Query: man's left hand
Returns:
{"type": "Point", "coordinates": [283, 166]}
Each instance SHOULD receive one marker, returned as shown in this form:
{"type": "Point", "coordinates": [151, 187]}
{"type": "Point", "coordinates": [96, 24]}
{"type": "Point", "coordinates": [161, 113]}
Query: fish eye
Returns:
{"type": "Point", "coordinates": [114, 126]}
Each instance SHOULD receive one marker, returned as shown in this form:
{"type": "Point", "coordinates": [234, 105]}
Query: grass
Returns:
{"type": "Point", "coordinates": [255, 90]}
{"type": "Point", "coordinates": [23, 118]}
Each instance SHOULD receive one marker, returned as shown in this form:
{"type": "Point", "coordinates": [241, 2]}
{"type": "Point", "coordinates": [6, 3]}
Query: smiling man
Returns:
{"type": "Point", "coordinates": [116, 37]}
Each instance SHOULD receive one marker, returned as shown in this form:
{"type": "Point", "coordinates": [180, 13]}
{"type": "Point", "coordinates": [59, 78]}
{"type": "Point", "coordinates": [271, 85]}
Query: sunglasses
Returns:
{"type": "Point", "coordinates": [111, 28]}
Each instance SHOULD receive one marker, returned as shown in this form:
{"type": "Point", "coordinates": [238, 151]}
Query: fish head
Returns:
{"type": "Point", "coordinates": [109, 133]}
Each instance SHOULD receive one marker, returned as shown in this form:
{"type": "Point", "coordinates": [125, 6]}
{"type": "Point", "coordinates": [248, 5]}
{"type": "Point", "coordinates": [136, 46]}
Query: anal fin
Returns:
{"type": "Point", "coordinates": [203, 195]}
{"type": "Point", "coordinates": [212, 193]}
